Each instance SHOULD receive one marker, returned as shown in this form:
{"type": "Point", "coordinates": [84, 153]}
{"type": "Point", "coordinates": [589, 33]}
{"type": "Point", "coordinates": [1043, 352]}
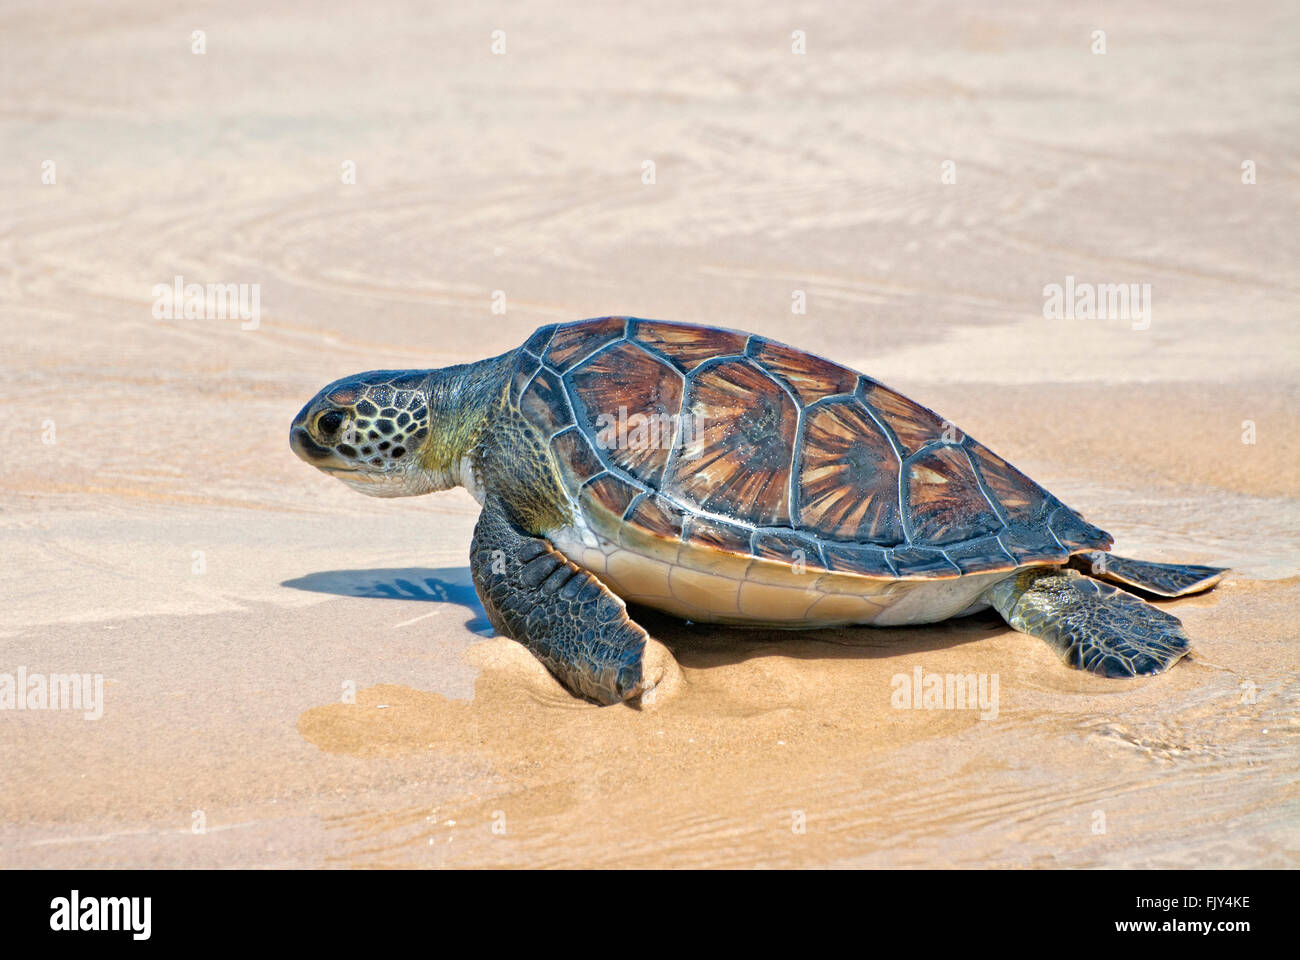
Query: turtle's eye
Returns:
{"type": "Point", "coordinates": [329, 423]}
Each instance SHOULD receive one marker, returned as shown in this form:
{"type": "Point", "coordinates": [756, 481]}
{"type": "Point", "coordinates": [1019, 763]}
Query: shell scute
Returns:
{"type": "Point", "coordinates": [659, 516]}
{"type": "Point", "coordinates": [686, 345]}
{"type": "Point", "coordinates": [979, 555]}
{"type": "Point", "coordinates": [1032, 545]}
{"type": "Point", "coordinates": [919, 561]}
{"type": "Point", "coordinates": [525, 367]}
{"type": "Point", "coordinates": [945, 501]}
{"type": "Point", "coordinates": [860, 558]}
{"type": "Point", "coordinates": [610, 492]}
{"type": "Point", "coordinates": [546, 403]}
{"type": "Point", "coordinates": [1020, 498]}
{"type": "Point", "coordinates": [738, 459]}
{"type": "Point", "coordinates": [913, 424]}
{"type": "Point", "coordinates": [631, 403]}
{"type": "Point", "coordinates": [848, 477]}
{"type": "Point", "coordinates": [1076, 533]}
{"type": "Point", "coordinates": [536, 344]}
{"type": "Point", "coordinates": [716, 535]}
{"type": "Point", "coordinates": [573, 342]}
{"type": "Point", "coordinates": [811, 377]}
{"type": "Point", "coordinates": [576, 459]}
{"type": "Point", "coordinates": [789, 547]}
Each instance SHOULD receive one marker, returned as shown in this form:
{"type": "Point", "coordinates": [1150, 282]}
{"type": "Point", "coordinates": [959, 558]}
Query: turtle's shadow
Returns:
{"type": "Point", "coordinates": [712, 645]}
{"type": "Point", "coordinates": [693, 644]}
{"type": "Point", "coordinates": [443, 585]}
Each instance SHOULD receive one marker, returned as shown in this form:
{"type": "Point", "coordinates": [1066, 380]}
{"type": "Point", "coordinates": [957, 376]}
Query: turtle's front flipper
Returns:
{"type": "Point", "coordinates": [568, 619]}
{"type": "Point", "coordinates": [1094, 626]}
{"type": "Point", "coordinates": [1161, 579]}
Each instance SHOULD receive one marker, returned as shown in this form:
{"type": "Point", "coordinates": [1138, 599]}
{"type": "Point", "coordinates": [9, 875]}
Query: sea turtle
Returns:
{"type": "Point", "coordinates": [724, 477]}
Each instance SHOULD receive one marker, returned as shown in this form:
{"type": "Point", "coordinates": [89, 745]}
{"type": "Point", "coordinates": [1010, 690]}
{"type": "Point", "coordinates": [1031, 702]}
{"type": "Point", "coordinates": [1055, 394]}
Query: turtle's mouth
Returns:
{"type": "Point", "coordinates": [301, 442]}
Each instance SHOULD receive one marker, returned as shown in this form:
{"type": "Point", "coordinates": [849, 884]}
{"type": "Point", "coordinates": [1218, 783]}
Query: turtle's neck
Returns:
{"type": "Point", "coordinates": [461, 403]}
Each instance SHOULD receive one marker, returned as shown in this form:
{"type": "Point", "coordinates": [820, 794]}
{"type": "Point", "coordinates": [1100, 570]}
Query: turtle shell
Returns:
{"type": "Point", "coordinates": [739, 444]}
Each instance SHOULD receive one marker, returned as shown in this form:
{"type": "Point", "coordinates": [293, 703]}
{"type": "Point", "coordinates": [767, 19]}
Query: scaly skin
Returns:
{"type": "Point", "coordinates": [507, 455]}
{"type": "Point", "coordinates": [569, 620]}
{"type": "Point", "coordinates": [1094, 626]}
{"type": "Point", "coordinates": [1161, 579]}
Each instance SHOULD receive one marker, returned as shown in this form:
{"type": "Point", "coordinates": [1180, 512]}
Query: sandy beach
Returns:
{"type": "Point", "coordinates": [297, 676]}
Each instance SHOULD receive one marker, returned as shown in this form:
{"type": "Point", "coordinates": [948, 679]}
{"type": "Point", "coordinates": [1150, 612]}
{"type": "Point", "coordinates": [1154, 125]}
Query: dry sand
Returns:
{"type": "Point", "coordinates": [522, 173]}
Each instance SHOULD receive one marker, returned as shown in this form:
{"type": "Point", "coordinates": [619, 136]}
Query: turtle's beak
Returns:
{"type": "Point", "coordinates": [301, 443]}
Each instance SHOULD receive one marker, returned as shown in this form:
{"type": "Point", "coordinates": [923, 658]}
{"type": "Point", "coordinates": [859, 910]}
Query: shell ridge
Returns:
{"type": "Point", "coordinates": [1048, 525]}
{"type": "Point", "coordinates": [944, 553]}
{"type": "Point", "coordinates": [1003, 547]}
{"type": "Point", "coordinates": [599, 350]}
{"type": "Point", "coordinates": [927, 448]}
{"type": "Point", "coordinates": [904, 511]}
{"type": "Point", "coordinates": [993, 501]}
{"type": "Point", "coordinates": [712, 362]}
{"type": "Point", "coordinates": [792, 481]}
{"type": "Point", "coordinates": [539, 349]}
{"type": "Point", "coordinates": [658, 354]}
{"type": "Point", "coordinates": [635, 502]}
{"type": "Point", "coordinates": [797, 451]}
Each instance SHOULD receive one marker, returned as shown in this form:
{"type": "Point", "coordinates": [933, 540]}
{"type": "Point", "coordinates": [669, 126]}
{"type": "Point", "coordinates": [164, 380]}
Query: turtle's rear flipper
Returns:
{"type": "Point", "coordinates": [569, 620]}
{"type": "Point", "coordinates": [1094, 626]}
{"type": "Point", "coordinates": [1160, 579]}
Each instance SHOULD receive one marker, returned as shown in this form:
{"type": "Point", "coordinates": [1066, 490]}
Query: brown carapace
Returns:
{"type": "Point", "coordinates": [757, 449]}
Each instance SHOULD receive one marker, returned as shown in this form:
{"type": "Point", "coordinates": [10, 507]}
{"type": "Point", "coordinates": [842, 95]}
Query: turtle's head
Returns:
{"type": "Point", "coordinates": [371, 431]}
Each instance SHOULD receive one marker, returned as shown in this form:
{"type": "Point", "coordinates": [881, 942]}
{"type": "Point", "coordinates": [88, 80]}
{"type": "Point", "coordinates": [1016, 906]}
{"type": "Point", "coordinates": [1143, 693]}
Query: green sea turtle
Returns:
{"type": "Point", "coordinates": [724, 477]}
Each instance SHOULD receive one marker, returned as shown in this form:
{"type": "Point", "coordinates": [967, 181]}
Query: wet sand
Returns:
{"type": "Point", "coordinates": [156, 530]}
